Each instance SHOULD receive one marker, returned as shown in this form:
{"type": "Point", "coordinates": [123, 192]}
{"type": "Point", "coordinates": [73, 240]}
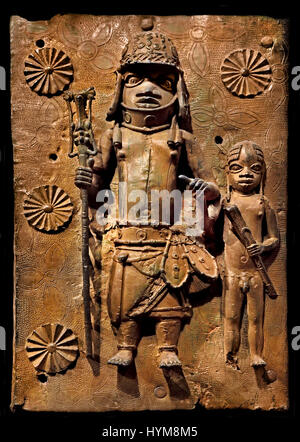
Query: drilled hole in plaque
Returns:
{"type": "Point", "coordinates": [218, 139]}
{"type": "Point", "coordinates": [40, 43]}
{"type": "Point", "coordinates": [53, 157]}
{"type": "Point", "coordinates": [42, 378]}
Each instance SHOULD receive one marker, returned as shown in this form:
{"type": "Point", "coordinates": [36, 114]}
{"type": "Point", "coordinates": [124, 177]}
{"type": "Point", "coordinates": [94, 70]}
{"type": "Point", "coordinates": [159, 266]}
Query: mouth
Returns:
{"type": "Point", "coordinates": [148, 102]}
{"type": "Point", "coordinates": [246, 181]}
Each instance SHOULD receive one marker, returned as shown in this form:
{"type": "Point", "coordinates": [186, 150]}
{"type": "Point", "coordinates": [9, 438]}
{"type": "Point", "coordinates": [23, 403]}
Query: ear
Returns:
{"type": "Point", "coordinates": [263, 180]}
{"type": "Point", "coordinates": [228, 188]}
{"type": "Point", "coordinates": [183, 101]}
{"type": "Point", "coordinates": [113, 110]}
{"type": "Point", "coordinates": [182, 94]}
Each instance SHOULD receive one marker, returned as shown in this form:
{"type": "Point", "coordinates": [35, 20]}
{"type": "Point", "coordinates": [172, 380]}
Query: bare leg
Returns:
{"type": "Point", "coordinates": [128, 335]}
{"type": "Point", "coordinates": [234, 299]}
{"type": "Point", "coordinates": [255, 309]}
{"type": "Point", "coordinates": [167, 333]}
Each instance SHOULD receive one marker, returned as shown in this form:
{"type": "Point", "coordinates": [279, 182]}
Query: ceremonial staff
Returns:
{"type": "Point", "coordinates": [85, 149]}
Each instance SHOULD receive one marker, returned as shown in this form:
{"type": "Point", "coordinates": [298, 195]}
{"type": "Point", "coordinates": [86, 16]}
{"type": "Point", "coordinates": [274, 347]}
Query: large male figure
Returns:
{"type": "Point", "coordinates": [151, 144]}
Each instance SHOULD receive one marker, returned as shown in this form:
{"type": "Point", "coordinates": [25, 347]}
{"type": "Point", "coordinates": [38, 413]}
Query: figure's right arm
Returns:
{"type": "Point", "coordinates": [101, 171]}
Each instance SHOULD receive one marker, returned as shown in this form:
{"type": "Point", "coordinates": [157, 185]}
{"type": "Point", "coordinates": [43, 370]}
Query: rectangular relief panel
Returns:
{"type": "Point", "coordinates": [181, 320]}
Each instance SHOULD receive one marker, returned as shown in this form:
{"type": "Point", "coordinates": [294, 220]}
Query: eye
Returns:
{"type": "Point", "coordinates": [166, 83]}
{"type": "Point", "coordinates": [235, 167]}
{"type": "Point", "coordinates": [132, 79]}
{"type": "Point", "coordinates": [256, 167]}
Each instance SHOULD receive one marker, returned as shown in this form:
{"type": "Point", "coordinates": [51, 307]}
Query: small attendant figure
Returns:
{"type": "Point", "coordinates": [246, 173]}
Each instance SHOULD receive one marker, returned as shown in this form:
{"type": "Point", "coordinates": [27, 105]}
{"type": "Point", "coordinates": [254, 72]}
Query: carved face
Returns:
{"type": "Point", "coordinates": [245, 173]}
{"type": "Point", "coordinates": [149, 87]}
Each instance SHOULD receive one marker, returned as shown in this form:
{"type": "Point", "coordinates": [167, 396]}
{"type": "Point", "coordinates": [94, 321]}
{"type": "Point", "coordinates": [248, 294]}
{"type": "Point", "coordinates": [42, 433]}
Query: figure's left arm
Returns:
{"type": "Point", "coordinates": [212, 202]}
{"type": "Point", "coordinates": [212, 196]}
{"type": "Point", "coordinates": [271, 236]}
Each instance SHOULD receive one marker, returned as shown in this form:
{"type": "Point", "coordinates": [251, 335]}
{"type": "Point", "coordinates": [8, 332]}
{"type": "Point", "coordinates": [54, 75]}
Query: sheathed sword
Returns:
{"type": "Point", "coordinates": [85, 149]}
{"type": "Point", "coordinates": [245, 236]}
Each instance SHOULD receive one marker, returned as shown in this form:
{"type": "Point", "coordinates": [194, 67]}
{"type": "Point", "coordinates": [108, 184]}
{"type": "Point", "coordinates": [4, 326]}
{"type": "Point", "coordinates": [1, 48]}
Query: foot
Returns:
{"type": "Point", "coordinates": [257, 361]}
{"type": "Point", "coordinates": [232, 361]}
{"type": "Point", "coordinates": [123, 358]}
{"type": "Point", "coordinates": [169, 359]}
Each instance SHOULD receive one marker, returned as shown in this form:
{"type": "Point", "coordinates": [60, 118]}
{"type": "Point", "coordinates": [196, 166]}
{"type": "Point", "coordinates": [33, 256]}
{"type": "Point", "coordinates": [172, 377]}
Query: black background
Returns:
{"type": "Point", "coordinates": [216, 424]}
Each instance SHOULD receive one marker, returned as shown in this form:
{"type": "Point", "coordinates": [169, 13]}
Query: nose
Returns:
{"type": "Point", "coordinates": [149, 88]}
{"type": "Point", "coordinates": [246, 172]}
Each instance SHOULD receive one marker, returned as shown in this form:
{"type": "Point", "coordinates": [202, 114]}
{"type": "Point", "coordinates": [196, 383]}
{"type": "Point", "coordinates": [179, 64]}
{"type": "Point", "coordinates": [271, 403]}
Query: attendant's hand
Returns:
{"type": "Point", "coordinates": [256, 249]}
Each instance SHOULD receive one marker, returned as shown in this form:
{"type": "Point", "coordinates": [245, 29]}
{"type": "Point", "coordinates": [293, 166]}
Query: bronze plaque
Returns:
{"type": "Point", "coordinates": [132, 312]}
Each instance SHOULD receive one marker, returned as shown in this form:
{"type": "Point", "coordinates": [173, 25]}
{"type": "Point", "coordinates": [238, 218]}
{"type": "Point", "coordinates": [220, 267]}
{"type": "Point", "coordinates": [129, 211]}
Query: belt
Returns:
{"type": "Point", "coordinates": [142, 236]}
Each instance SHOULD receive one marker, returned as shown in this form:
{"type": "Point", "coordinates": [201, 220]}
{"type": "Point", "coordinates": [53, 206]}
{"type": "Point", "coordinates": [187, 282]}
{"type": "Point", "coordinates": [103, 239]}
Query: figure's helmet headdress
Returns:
{"type": "Point", "coordinates": [152, 48]}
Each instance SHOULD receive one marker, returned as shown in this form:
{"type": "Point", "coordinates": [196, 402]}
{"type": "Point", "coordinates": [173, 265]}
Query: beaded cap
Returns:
{"type": "Point", "coordinates": [150, 47]}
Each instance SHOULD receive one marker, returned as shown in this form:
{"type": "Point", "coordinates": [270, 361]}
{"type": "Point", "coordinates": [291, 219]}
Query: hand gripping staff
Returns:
{"type": "Point", "coordinates": [85, 149]}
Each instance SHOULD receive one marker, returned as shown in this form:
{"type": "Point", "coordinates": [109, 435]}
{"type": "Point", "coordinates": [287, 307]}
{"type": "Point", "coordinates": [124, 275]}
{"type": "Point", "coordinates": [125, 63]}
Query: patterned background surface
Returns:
{"type": "Point", "coordinates": [48, 266]}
